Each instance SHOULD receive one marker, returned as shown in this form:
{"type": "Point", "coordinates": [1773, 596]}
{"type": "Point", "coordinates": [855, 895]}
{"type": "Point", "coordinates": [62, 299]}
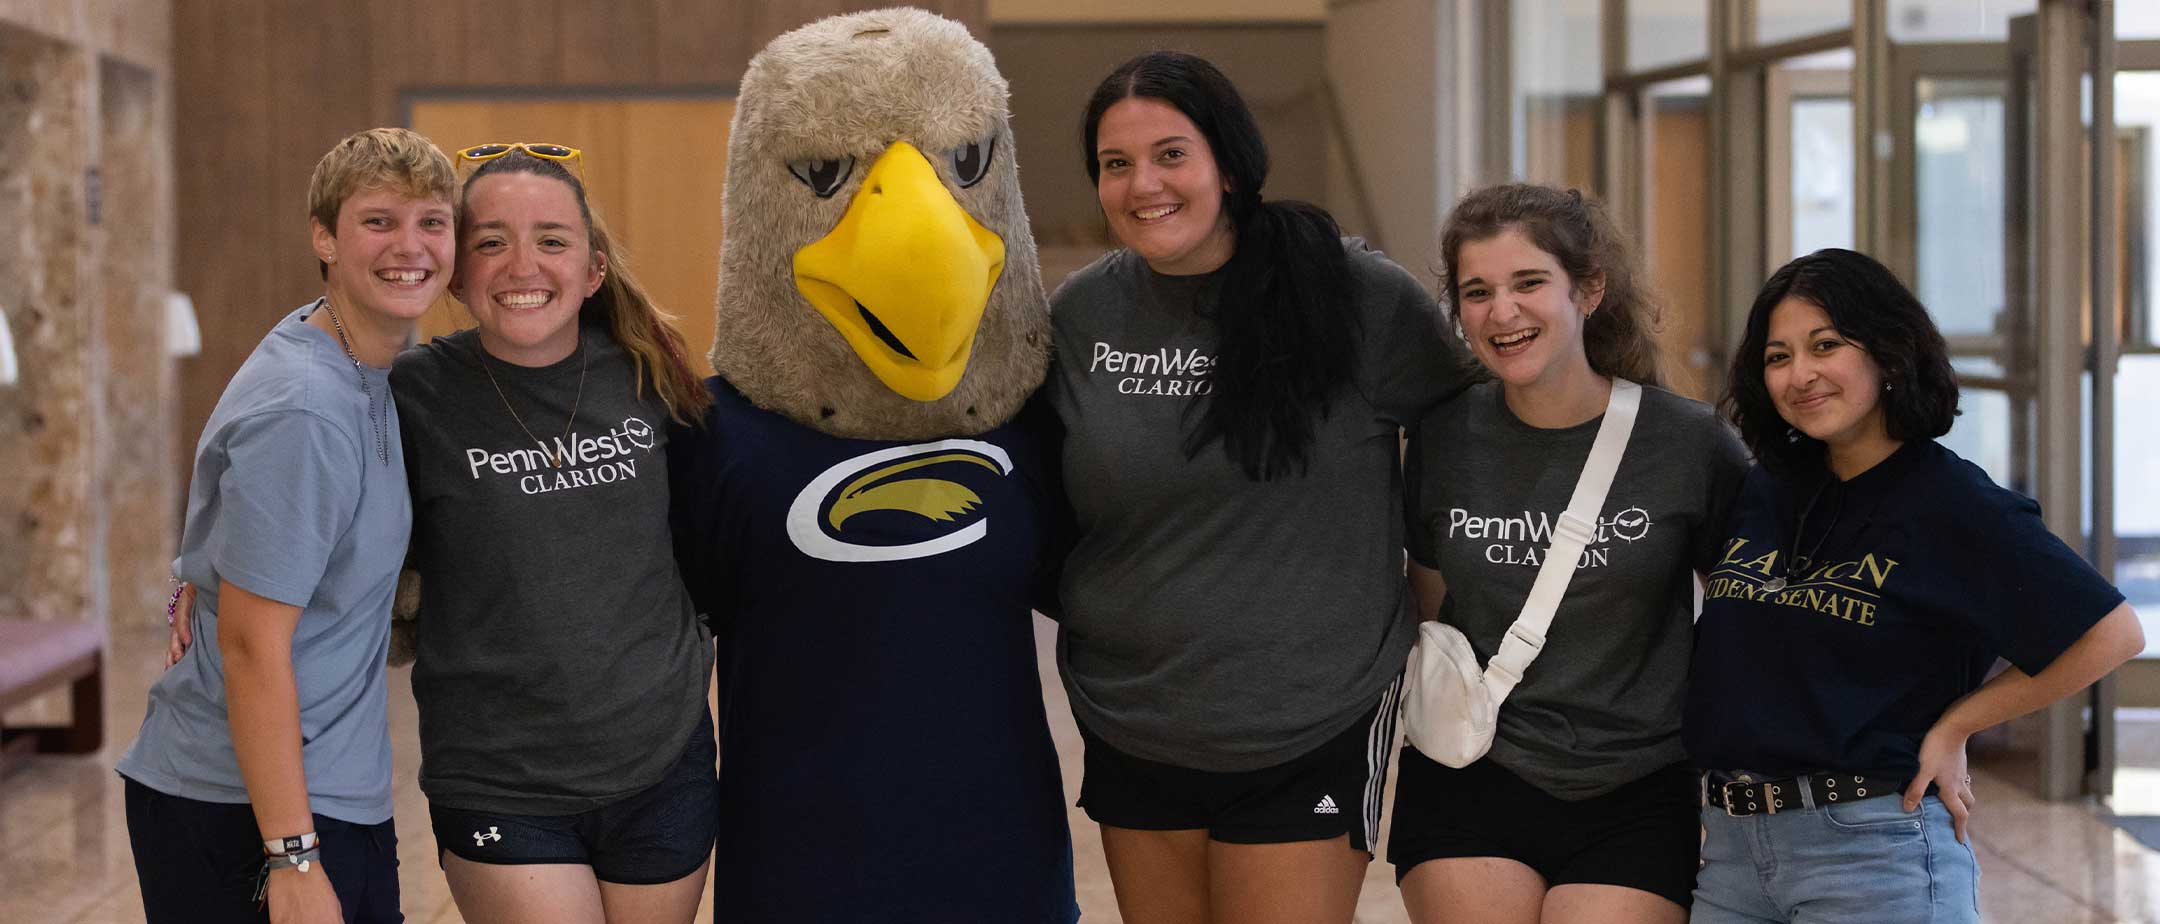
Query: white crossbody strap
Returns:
{"type": "Point", "coordinates": [1571, 534]}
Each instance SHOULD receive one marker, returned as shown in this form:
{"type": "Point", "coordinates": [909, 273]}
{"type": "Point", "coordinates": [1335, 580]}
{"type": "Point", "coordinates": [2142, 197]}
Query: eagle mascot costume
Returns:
{"type": "Point", "coordinates": [865, 513]}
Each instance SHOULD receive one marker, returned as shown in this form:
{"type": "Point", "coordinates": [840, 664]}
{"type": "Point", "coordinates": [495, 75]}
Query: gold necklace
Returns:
{"type": "Point", "coordinates": [555, 459]}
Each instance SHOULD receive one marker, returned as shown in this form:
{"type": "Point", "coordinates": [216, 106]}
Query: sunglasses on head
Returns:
{"type": "Point", "coordinates": [562, 153]}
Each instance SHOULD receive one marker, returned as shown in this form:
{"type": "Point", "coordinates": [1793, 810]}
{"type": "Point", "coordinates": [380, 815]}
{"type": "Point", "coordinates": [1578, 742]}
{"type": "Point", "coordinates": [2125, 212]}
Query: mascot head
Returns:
{"type": "Point", "coordinates": [878, 277]}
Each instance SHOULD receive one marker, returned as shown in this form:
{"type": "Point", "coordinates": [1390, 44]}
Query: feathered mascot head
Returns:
{"type": "Point", "coordinates": [878, 278]}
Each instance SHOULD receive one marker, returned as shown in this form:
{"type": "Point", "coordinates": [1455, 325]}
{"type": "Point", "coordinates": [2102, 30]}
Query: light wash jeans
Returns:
{"type": "Point", "coordinates": [1867, 860]}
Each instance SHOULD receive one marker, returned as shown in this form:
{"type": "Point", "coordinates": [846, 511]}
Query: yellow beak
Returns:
{"type": "Point", "coordinates": [905, 276]}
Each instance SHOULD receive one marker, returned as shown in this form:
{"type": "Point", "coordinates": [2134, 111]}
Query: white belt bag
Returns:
{"type": "Point", "coordinates": [1450, 707]}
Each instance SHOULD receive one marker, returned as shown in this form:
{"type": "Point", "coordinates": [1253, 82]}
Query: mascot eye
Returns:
{"type": "Point", "coordinates": [971, 161]}
{"type": "Point", "coordinates": [824, 177]}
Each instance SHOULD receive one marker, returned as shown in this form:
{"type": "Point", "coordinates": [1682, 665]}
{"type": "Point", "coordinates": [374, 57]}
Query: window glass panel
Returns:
{"type": "Point", "coordinates": [1958, 173]}
{"type": "Point", "coordinates": [1816, 91]}
{"type": "Point", "coordinates": [2137, 19]}
{"type": "Point", "coordinates": [2137, 128]}
{"type": "Point", "coordinates": [1983, 366]}
{"type": "Point", "coordinates": [1955, 20]}
{"type": "Point", "coordinates": [1558, 79]}
{"type": "Point", "coordinates": [1665, 32]}
{"type": "Point", "coordinates": [1982, 432]}
{"type": "Point", "coordinates": [1778, 20]}
{"type": "Point", "coordinates": [1822, 174]}
{"type": "Point", "coordinates": [2137, 471]}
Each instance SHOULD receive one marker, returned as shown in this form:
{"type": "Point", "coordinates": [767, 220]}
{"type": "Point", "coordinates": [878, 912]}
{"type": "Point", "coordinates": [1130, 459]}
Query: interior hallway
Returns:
{"type": "Point", "coordinates": [64, 855]}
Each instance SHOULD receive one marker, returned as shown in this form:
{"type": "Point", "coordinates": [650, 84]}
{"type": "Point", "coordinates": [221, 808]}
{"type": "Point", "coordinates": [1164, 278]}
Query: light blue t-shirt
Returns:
{"type": "Point", "coordinates": [292, 500]}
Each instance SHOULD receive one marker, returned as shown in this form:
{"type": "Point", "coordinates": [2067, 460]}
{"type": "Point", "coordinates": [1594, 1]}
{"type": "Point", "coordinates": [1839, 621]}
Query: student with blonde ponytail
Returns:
{"type": "Point", "coordinates": [566, 751]}
{"type": "Point", "coordinates": [1584, 808]}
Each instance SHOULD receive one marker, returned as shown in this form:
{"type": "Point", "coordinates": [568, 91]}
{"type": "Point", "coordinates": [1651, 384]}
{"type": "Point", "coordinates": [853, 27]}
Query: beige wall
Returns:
{"type": "Point", "coordinates": [1384, 68]}
{"type": "Point", "coordinates": [1004, 12]}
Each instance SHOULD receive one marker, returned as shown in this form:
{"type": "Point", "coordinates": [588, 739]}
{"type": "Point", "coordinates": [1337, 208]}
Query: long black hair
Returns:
{"type": "Point", "coordinates": [1870, 307]}
{"type": "Point", "coordinates": [1288, 336]}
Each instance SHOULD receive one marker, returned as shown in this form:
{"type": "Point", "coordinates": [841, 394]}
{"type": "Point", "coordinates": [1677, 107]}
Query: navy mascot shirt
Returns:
{"type": "Point", "coordinates": [884, 754]}
{"type": "Point", "coordinates": [1918, 574]}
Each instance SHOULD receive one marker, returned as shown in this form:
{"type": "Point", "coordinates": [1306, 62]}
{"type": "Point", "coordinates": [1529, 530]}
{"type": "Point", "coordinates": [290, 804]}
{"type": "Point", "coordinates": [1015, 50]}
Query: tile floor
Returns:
{"type": "Point", "coordinates": [64, 854]}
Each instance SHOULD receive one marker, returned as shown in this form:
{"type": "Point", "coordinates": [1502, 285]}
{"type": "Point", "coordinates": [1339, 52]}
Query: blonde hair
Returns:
{"type": "Point", "coordinates": [399, 159]}
{"type": "Point", "coordinates": [636, 321]}
{"type": "Point", "coordinates": [1620, 337]}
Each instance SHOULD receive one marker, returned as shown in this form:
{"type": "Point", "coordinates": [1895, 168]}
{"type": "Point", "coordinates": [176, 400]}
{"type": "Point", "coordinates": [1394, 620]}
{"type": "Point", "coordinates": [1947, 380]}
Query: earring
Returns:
{"type": "Point", "coordinates": [1886, 386]}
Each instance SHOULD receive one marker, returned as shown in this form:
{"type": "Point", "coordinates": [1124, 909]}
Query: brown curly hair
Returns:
{"type": "Point", "coordinates": [1621, 335]}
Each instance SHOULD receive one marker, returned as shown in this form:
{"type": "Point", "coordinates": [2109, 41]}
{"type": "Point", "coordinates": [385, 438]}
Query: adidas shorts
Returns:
{"type": "Point", "coordinates": [1332, 791]}
{"type": "Point", "coordinates": [661, 834]}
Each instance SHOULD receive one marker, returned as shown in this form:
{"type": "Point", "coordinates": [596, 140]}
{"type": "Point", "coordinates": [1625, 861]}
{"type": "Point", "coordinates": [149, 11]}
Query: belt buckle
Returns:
{"type": "Point", "coordinates": [1725, 791]}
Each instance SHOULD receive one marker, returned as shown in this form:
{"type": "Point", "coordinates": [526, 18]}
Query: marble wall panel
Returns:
{"type": "Point", "coordinates": [137, 433]}
{"type": "Point", "coordinates": [47, 419]}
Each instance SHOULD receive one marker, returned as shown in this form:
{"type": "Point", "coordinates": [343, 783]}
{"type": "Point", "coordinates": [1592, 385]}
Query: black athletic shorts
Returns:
{"type": "Point", "coordinates": [661, 834]}
{"type": "Point", "coordinates": [1331, 791]}
{"type": "Point", "coordinates": [1645, 835]}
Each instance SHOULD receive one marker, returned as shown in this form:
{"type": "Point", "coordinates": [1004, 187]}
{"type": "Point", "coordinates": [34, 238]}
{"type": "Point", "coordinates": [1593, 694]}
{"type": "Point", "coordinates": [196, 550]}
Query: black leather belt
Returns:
{"type": "Point", "coordinates": [1740, 796]}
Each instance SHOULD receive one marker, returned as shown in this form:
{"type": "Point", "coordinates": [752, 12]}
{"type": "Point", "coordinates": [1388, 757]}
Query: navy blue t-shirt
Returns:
{"type": "Point", "coordinates": [1917, 574]}
{"type": "Point", "coordinates": [884, 754]}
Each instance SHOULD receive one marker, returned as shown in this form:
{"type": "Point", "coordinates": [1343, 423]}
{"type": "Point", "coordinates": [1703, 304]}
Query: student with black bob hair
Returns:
{"type": "Point", "coordinates": [1872, 579]}
{"type": "Point", "coordinates": [1867, 303]}
{"type": "Point", "coordinates": [1233, 382]}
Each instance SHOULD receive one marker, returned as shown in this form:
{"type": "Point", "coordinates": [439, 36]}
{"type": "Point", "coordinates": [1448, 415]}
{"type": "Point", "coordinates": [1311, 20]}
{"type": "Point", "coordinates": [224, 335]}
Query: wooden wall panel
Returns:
{"type": "Point", "coordinates": [223, 157]}
{"type": "Point", "coordinates": [698, 40]}
{"type": "Point", "coordinates": [263, 87]}
{"type": "Point", "coordinates": [607, 43]}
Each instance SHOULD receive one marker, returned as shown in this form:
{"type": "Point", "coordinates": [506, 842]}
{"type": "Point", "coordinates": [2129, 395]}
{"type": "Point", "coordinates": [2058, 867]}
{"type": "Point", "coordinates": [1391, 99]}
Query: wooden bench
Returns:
{"type": "Point", "coordinates": [39, 657]}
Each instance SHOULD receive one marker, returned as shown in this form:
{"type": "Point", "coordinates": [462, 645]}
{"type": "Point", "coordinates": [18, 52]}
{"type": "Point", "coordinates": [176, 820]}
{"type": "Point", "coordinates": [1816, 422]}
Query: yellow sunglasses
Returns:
{"type": "Point", "coordinates": [570, 157]}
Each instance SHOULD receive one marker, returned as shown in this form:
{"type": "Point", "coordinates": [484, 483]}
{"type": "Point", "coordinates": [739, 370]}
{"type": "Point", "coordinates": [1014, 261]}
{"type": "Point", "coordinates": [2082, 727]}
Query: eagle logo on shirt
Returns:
{"type": "Point", "coordinates": [897, 503]}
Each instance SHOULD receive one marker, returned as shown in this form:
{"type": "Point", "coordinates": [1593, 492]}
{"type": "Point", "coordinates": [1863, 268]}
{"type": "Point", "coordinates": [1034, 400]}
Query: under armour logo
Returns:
{"type": "Point", "coordinates": [480, 840]}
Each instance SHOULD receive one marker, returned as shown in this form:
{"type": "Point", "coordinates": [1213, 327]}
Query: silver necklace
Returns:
{"type": "Point", "coordinates": [1798, 562]}
{"type": "Point", "coordinates": [556, 458]}
{"type": "Point", "coordinates": [382, 424]}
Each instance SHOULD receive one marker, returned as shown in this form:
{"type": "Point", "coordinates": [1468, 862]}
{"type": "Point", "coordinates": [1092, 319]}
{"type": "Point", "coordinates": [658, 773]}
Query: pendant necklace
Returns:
{"type": "Point", "coordinates": [1798, 562]}
{"type": "Point", "coordinates": [555, 459]}
{"type": "Point", "coordinates": [382, 424]}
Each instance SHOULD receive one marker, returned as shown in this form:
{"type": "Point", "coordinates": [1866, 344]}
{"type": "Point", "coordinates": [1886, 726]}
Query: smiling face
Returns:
{"type": "Point", "coordinates": [1523, 315]}
{"type": "Point", "coordinates": [1822, 384]}
{"type": "Point", "coordinates": [1160, 189]}
{"type": "Point", "coordinates": [525, 266]}
{"type": "Point", "coordinates": [390, 255]}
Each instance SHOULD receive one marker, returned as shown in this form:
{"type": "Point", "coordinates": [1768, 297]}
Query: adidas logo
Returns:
{"type": "Point", "coordinates": [1326, 807]}
{"type": "Point", "coordinates": [480, 839]}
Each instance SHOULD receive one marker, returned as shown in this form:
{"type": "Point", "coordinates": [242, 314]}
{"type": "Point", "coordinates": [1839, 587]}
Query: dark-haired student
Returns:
{"type": "Point", "coordinates": [1872, 578]}
{"type": "Point", "coordinates": [1235, 616]}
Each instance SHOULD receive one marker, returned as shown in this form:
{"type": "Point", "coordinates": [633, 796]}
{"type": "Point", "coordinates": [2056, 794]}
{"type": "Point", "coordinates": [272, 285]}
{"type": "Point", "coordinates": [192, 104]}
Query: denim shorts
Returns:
{"type": "Point", "coordinates": [1861, 861]}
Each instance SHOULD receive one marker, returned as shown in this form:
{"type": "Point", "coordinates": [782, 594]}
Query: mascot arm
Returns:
{"type": "Point", "coordinates": [694, 518]}
{"type": "Point", "coordinates": [1060, 526]}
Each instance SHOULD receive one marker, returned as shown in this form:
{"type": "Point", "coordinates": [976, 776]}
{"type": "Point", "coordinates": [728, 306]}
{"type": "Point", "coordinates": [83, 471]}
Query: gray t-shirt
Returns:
{"type": "Point", "coordinates": [291, 500]}
{"type": "Point", "coordinates": [1600, 707]}
{"type": "Point", "coordinates": [1211, 621]}
{"type": "Point", "coordinates": [560, 665]}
